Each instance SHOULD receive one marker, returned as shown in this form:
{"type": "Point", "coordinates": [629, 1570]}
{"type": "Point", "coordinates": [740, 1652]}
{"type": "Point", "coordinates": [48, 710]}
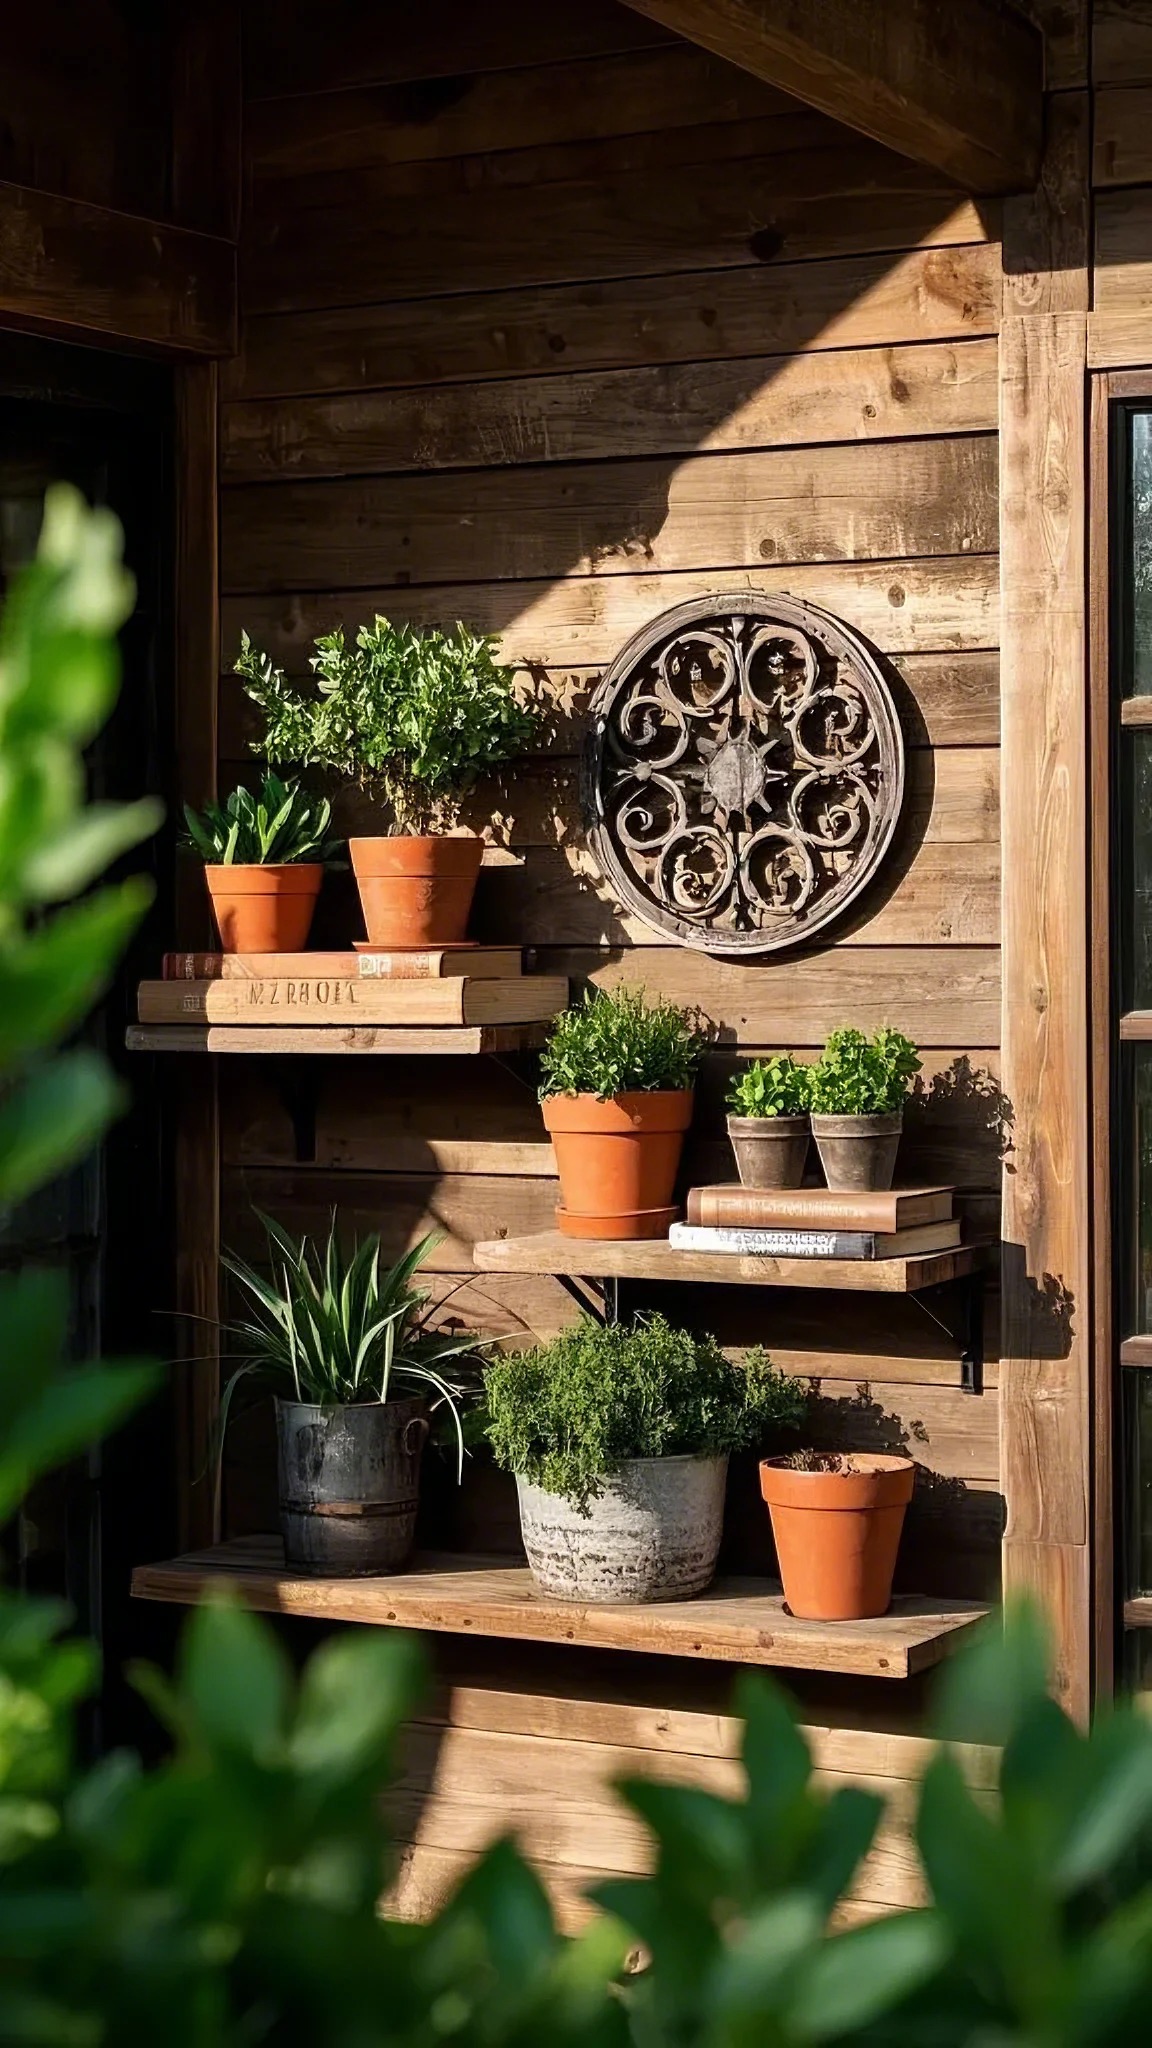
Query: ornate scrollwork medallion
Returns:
{"type": "Point", "coordinates": [744, 772]}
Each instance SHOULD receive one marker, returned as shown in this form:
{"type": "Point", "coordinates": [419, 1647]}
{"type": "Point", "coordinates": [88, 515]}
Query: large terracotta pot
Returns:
{"type": "Point", "coordinates": [264, 909]}
{"type": "Point", "coordinates": [618, 1160]}
{"type": "Point", "coordinates": [416, 892]}
{"type": "Point", "coordinates": [858, 1153]}
{"type": "Point", "coordinates": [837, 1533]}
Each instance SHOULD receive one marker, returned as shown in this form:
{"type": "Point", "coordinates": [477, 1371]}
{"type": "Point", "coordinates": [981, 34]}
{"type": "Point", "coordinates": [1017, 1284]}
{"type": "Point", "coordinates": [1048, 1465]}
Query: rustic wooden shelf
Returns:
{"type": "Point", "coordinates": [1136, 1351]}
{"type": "Point", "coordinates": [377, 1039]}
{"type": "Point", "coordinates": [1136, 711]}
{"type": "Point", "coordinates": [655, 1259]}
{"type": "Point", "coordinates": [738, 1621]}
{"type": "Point", "coordinates": [1138, 1612]}
{"type": "Point", "coordinates": [1136, 1027]}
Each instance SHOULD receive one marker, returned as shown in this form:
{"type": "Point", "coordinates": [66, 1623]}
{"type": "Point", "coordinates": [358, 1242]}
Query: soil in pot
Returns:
{"type": "Point", "coordinates": [770, 1150]}
{"type": "Point", "coordinates": [416, 892]}
{"type": "Point", "coordinates": [264, 909]}
{"type": "Point", "coordinates": [350, 1485]}
{"type": "Point", "coordinates": [858, 1153]}
{"type": "Point", "coordinates": [618, 1160]}
{"type": "Point", "coordinates": [837, 1523]}
{"type": "Point", "coordinates": [652, 1534]}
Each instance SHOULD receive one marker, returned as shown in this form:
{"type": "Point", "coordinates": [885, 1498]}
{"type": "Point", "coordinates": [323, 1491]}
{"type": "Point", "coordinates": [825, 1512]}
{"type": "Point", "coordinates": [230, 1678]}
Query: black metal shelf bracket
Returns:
{"type": "Point", "coordinates": [971, 1332]}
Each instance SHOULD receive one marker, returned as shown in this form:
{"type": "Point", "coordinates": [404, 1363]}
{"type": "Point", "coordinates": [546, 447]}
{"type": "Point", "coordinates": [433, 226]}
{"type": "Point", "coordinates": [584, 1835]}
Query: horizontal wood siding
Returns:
{"type": "Point", "coordinates": [683, 336]}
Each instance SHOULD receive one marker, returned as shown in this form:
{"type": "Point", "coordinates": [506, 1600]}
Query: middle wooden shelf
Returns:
{"type": "Point", "coordinates": [548, 1251]}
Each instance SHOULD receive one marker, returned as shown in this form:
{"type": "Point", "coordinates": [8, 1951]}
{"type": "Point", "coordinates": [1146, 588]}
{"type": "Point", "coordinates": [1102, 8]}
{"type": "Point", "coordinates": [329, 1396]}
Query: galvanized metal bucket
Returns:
{"type": "Point", "coordinates": [653, 1534]}
{"type": "Point", "coordinates": [350, 1485]}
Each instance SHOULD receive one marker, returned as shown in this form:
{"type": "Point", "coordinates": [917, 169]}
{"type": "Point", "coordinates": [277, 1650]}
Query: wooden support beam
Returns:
{"type": "Point", "coordinates": [1047, 1321]}
{"type": "Point", "coordinates": [87, 272]}
{"type": "Point", "coordinates": [956, 87]}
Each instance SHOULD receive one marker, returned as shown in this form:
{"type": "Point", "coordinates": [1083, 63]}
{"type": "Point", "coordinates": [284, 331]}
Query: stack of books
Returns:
{"type": "Point", "coordinates": [818, 1223]}
{"type": "Point", "coordinates": [447, 986]}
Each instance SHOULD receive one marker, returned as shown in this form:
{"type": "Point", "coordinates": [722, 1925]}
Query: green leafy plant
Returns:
{"type": "Point", "coordinates": [615, 1041]}
{"type": "Point", "coordinates": [340, 1329]}
{"type": "Point", "coordinates": [282, 825]}
{"type": "Point", "coordinates": [772, 1087]}
{"type": "Point", "coordinates": [860, 1076]}
{"type": "Point", "coordinates": [411, 716]}
{"type": "Point", "coordinates": [569, 1413]}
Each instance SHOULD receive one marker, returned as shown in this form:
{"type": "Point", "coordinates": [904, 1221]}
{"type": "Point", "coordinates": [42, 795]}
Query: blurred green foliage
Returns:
{"type": "Point", "coordinates": [229, 1897]}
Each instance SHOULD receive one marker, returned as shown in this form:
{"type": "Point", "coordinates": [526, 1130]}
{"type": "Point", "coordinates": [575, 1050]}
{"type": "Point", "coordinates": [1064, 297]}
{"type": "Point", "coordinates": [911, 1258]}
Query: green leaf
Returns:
{"type": "Point", "coordinates": [51, 1118]}
{"type": "Point", "coordinates": [235, 1680]}
{"type": "Point", "coordinates": [65, 1416]}
{"type": "Point", "coordinates": [51, 977]}
{"type": "Point", "coordinates": [354, 1695]}
{"type": "Point", "coordinates": [97, 837]}
{"type": "Point", "coordinates": [854, 1979]}
{"type": "Point", "coordinates": [986, 1690]}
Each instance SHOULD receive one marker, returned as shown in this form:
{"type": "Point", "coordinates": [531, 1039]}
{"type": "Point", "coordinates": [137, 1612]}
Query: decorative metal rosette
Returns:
{"type": "Point", "coordinates": [744, 772]}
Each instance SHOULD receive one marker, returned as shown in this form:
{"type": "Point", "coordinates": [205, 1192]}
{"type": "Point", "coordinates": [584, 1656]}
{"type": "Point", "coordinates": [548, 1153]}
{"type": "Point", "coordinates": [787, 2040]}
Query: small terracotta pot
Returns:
{"type": "Point", "coordinates": [858, 1153]}
{"type": "Point", "coordinates": [618, 1160]}
{"type": "Point", "coordinates": [264, 909]}
{"type": "Point", "coordinates": [416, 892]}
{"type": "Point", "coordinates": [837, 1533]}
{"type": "Point", "coordinates": [770, 1150]}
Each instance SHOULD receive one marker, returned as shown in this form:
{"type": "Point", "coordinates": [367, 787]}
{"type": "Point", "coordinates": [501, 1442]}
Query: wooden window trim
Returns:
{"type": "Point", "coordinates": [1108, 1029]}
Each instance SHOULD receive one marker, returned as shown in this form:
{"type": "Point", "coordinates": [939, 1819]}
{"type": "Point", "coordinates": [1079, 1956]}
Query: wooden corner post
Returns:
{"type": "Point", "coordinates": [1045, 1381]}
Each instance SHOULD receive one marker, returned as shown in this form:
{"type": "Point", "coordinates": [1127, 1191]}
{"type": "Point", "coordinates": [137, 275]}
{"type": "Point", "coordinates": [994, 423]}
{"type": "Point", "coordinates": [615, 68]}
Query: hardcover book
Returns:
{"type": "Point", "coordinates": [481, 962]}
{"type": "Point", "coordinates": [816, 1208]}
{"type": "Point", "coordinates": [340, 999]}
{"type": "Point", "coordinates": [817, 1244]}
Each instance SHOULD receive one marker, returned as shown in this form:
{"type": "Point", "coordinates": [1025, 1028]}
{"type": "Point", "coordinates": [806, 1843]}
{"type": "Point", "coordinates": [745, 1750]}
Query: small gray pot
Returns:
{"type": "Point", "coordinates": [350, 1485]}
{"type": "Point", "coordinates": [653, 1534]}
{"type": "Point", "coordinates": [770, 1150]}
{"type": "Point", "coordinates": [858, 1153]}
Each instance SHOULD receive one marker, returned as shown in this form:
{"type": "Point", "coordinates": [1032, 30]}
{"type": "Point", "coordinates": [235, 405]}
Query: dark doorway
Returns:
{"type": "Point", "coordinates": [103, 423]}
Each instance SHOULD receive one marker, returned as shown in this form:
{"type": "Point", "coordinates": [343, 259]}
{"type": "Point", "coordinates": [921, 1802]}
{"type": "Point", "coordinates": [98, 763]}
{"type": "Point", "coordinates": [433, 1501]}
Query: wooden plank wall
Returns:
{"type": "Point", "coordinates": [549, 323]}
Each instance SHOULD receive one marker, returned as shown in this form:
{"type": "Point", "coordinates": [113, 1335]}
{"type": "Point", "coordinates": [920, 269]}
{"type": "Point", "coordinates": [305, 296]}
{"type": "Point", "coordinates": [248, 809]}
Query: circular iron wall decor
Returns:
{"type": "Point", "coordinates": [744, 772]}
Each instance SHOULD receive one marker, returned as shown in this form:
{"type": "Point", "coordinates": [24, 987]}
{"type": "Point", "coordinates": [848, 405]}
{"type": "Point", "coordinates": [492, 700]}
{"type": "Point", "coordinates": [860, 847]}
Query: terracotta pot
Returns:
{"type": "Point", "coordinates": [858, 1153]}
{"type": "Point", "coordinates": [618, 1160]}
{"type": "Point", "coordinates": [837, 1533]}
{"type": "Point", "coordinates": [770, 1150]}
{"type": "Point", "coordinates": [416, 892]}
{"type": "Point", "coordinates": [264, 909]}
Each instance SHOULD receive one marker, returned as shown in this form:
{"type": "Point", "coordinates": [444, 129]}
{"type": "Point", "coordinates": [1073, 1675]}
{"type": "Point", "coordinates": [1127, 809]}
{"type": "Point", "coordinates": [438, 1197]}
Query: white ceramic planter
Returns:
{"type": "Point", "coordinates": [653, 1534]}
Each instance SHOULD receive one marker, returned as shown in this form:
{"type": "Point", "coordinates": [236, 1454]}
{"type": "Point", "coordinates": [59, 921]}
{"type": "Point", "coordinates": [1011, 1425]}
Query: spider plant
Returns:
{"type": "Point", "coordinates": [345, 1329]}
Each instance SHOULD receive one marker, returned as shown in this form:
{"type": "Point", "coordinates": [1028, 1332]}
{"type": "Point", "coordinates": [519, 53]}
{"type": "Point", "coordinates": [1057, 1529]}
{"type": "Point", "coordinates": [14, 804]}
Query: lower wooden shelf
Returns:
{"type": "Point", "coordinates": [1138, 1612]}
{"type": "Point", "coordinates": [738, 1621]}
{"type": "Point", "coordinates": [655, 1259]}
{"type": "Point", "coordinates": [379, 1039]}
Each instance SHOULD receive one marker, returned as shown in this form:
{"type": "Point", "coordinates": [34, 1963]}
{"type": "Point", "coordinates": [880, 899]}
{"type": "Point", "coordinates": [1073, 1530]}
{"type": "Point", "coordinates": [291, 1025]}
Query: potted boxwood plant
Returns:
{"type": "Point", "coordinates": [264, 859]}
{"type": "Point", "coordinates": [837, 1520]}
{"type": "Point", "coordinates": [618, 1074]}
{"type": "Point", "coordinates": [413, 718]}
{"type": "Point", "coordinates": [345, 1338]}
{"type": "Point", "coordinates": [618, 1437]}
{"type": "Point", "coordinates": [856, 1092]}
{"type": "Point", "coordinates": [768, 1122]}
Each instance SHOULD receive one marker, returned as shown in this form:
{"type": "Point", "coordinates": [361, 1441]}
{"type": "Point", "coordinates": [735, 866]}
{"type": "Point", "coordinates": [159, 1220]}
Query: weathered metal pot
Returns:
{"type": "Point", "coordinates": [350, 1484]}
{"type": "Point", "coordinates": [653, 1534]}
{"type": "Point", "coordinates": [770, 1150]}
{"type": "Point", "coordinates": [858, 1153]}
